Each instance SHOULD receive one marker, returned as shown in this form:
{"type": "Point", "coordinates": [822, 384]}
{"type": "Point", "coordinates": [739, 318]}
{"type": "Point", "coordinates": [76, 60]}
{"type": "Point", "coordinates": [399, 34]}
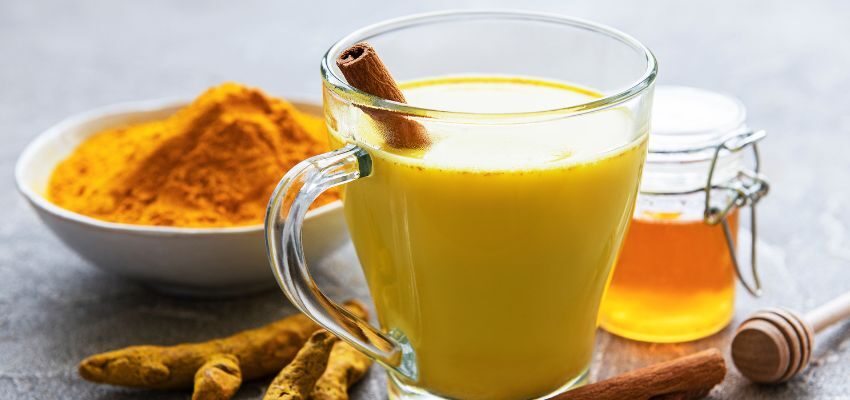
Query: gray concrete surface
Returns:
{"type": "Point", "coordinates": [789, 62]}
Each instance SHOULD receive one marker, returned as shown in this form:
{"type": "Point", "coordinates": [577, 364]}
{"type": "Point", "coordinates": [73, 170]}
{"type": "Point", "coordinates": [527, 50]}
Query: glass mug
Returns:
{"type": "Point", "coordinates": [487, 253]}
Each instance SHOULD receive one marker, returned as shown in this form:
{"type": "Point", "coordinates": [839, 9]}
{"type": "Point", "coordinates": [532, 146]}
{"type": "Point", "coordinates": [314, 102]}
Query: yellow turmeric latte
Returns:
{"type": "Point", "coordinates": [488, 252]}
{"type": "Point", "coordinates": [213, 163]}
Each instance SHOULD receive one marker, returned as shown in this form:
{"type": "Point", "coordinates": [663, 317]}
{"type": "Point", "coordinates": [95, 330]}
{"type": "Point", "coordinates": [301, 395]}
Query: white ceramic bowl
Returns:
{"type": "Point", "coordinates": [192, 261]}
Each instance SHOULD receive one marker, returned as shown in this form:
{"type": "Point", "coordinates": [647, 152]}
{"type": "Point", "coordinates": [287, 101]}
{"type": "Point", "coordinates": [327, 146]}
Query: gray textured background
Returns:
{"type": "Point", "coordinates": [790, 64]}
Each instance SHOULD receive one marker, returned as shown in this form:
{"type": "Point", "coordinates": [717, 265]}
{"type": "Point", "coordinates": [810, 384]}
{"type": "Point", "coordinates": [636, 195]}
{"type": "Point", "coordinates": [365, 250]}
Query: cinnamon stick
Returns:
{"type": "Point", "coordinates": [685, 378]}
{"type": "Point", "coordinates": [364, 70]}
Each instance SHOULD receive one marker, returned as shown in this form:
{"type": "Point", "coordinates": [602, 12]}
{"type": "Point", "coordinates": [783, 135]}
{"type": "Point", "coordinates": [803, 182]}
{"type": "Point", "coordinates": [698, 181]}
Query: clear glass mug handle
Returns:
{"type": "Point", "coordinates": [284, 218]}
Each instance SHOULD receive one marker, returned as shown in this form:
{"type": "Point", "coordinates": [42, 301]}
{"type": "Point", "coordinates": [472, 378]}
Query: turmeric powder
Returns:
{"type": "Point", "coordinates": [214, 163]}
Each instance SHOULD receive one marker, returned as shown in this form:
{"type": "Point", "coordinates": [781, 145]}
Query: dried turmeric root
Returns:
{"type": "Point", "coordinates": [218, 379]}
{"type": "Point", "coordinates": [296, 380]}
{"type": "Point", "coordinates": [346, 367]}
{"type": "Point", "coordinates": [259, 352]}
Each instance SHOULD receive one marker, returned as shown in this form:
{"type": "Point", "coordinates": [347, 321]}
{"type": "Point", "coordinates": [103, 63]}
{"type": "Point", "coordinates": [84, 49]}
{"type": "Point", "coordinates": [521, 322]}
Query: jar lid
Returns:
{"type": "Point", "coordinates": [687, 126]}
{"type": "Point", "coordinates": [686, 118]}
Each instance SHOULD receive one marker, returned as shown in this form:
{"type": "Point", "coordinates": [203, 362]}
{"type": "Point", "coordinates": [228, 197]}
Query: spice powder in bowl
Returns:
{"type": "Point", "coordinates": [214, 163]}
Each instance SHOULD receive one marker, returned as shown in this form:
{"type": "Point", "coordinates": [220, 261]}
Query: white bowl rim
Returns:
{"type": "Point", "coordinates": [55, 131]}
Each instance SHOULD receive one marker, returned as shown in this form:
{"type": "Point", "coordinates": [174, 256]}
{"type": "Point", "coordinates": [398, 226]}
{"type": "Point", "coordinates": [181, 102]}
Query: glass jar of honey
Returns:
{"type": "Point", "coordinates": [675, 277]}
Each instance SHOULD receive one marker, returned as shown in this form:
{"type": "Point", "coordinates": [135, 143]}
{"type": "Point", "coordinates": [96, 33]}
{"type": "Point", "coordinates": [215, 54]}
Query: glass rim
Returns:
{"type": "Point", "coordinates": [340, 86]}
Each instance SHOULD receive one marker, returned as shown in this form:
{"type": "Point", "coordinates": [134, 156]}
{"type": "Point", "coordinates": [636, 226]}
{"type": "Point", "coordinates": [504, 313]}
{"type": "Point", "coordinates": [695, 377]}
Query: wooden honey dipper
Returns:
{"type": "Point", "coordinates": [774, 345]}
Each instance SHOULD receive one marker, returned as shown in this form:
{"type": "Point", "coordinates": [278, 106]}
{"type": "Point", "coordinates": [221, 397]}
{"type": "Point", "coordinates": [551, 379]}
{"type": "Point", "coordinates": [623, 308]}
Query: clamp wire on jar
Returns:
{"type": "Point", "coordinates": [675, 277]}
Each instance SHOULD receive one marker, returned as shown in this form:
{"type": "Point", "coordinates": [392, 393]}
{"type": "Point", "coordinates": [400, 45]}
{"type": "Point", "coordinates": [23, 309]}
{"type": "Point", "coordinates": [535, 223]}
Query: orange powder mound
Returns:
{"type": "Point", "coordinates": [214, 163]}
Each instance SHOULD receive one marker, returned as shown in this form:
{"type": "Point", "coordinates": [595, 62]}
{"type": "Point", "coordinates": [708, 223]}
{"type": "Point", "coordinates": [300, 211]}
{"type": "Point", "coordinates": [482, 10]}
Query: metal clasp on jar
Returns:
{"type": "Point", "coordinates": [745, 190]}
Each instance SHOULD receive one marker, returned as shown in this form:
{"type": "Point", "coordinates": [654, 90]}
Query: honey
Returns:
{"type": "Point", "coordinates": [675, 278]}
{"type": "Point", "coordinates": [674, 281]}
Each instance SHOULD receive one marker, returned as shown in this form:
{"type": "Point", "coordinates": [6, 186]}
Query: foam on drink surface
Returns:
{"type": "Point", "coordinates": [489, 144]}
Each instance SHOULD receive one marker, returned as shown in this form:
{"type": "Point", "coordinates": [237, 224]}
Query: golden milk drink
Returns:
{"type": "Point", "coordinates": [488, 252]}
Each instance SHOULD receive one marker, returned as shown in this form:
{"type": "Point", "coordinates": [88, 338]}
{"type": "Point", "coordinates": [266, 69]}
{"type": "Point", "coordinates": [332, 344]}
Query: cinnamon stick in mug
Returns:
{"type": "Point", "coordinates": [364, 70]}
